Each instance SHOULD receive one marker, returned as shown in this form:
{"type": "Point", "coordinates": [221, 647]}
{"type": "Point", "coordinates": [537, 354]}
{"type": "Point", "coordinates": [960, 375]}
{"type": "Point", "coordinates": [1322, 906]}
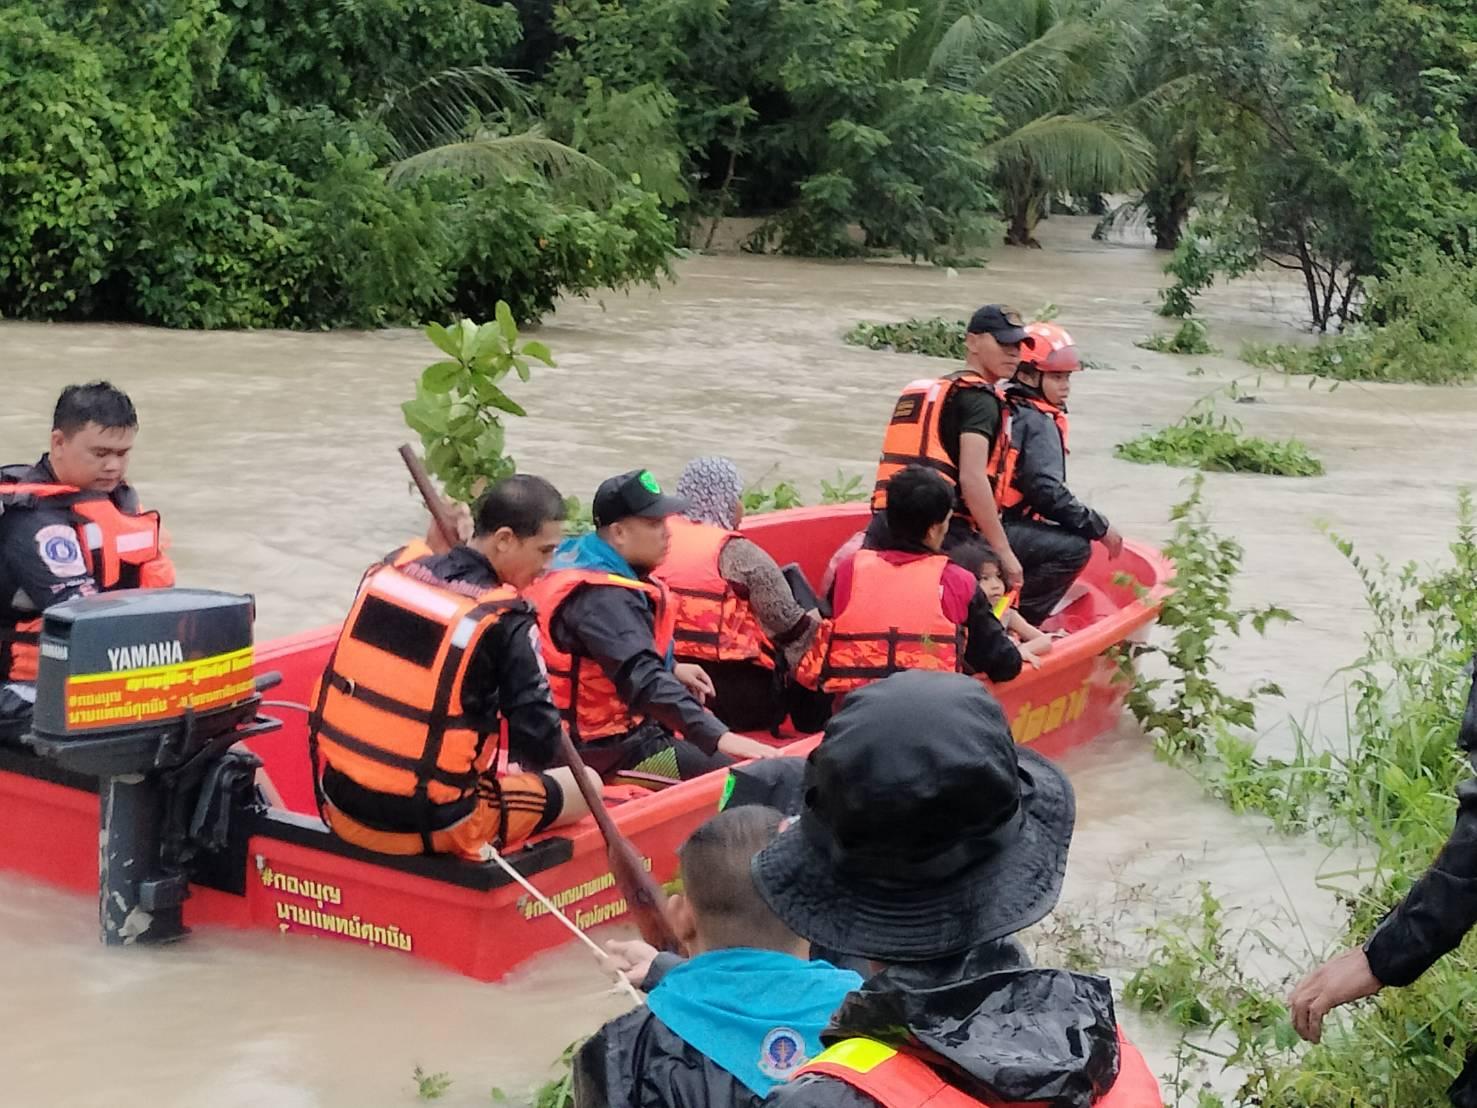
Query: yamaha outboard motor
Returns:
{"type": "Point", "coordinates": [148, 691]}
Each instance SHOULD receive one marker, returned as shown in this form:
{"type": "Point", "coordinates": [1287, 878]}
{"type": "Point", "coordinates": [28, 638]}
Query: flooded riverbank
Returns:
{"type": "Point", "coordinates": [271, 456]}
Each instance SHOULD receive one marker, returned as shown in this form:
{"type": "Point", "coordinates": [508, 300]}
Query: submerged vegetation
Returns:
{"type": "Point", "coordinates": [1209, 441]}
{"type": "Point", "coordinates": [1388, 788]}
{"type": "Point", "coordinates": [1190, 338]}
{"type": "Point", "coordinates": [938, 338]}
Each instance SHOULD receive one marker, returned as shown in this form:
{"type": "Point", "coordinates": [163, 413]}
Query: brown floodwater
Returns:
{"type": "Point", "coordinates": [272, 458]}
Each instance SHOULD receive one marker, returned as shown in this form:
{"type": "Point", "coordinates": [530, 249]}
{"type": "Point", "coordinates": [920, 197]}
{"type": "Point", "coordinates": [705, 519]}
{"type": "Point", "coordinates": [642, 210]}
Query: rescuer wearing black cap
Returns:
{"type": "Point", "coordinates": [927, 839]}
{"type": "Point", "coordinates": [606, 639]}
{"type": "Point", "coordinates": [956, 426]}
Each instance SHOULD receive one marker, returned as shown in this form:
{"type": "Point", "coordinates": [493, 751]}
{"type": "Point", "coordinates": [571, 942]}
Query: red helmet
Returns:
{"type": "Point", "coordinates": [1049, 349]}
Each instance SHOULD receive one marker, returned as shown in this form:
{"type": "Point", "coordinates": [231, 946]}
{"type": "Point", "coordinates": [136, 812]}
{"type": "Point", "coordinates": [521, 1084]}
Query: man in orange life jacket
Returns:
{"type": "Point", "coordinates": [927, 839]}
{"type": "Point", "coordinates": [437, 650]}
{"type": "Point", "coordinates": [907, 606]}
{"type": "Point", "coordinates": [607, 640]}
{"type": "Point", "coordinates": [70, 526]}
{"type": "Point", "coordinates": [955, 426]}
{"type": "Point", "coordinates": [1049, 528]}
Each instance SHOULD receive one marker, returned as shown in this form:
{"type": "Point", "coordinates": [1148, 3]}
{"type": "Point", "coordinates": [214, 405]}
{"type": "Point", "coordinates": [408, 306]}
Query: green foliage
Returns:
{"type": "Point", "coordinates": [793, 106]}
{"type": "Point", "coordinates": [1389, 785]}
{"type": "Point", "coordinates": [1193, 978]}
{"type": "Point", "coordinates": [1187, 709]}
{"type": "Point", "coordinates": [1189, 339]}
{"type": "Point", "coordinates": [1207, 441]}
{"type": "Point", "coordinates": [517, 242]}
{"type": "Point", "coordinates": [846, 489]}
{"type": "Point", "coordinates": [205, 165]}
{"type": "Point", "coordinates": [940, 338]}
{"type": "Point", "coordinates": [1344, 135]}
{"type": "Point", "coordinates": [1428, 334]}
{"type": "Point", "coordinates": [558, 1092]}
{"type": "Point", "coordinates": [1060, 75]}
{"type": "Point", "coordinates": [431, 1086]}
{"type": "Point", "coordinates": [459, 404]}
{"type": "Point", "coordinates": [759, 497]}
{"type": "Point", "coordinates": [771, 498]}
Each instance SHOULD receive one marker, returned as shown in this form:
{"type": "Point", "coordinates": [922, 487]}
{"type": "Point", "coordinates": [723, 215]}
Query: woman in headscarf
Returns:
{"type": "Point", "coordinates": [737, 615]}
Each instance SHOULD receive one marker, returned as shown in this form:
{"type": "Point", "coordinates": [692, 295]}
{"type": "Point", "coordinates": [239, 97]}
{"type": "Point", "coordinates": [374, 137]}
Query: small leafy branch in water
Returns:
{"type": "Point", "coordinates": [459, 402]}
{"type": "Point", "coordinates": [430, 1086]}
{"type": "Point", "coordinates": [1207, 441]}
{"type": "Point", "coordinates": [1191, 338]}
{"type": "Point", "coordinates": [1187, 709]}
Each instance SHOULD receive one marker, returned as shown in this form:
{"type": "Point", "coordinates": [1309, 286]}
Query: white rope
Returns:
{"type": "Point", "coordinates": [507, 867]}
{"type": "Point", "coordinates": [553, 910]}
{"type": "Point", "coordinates": [288, 704]}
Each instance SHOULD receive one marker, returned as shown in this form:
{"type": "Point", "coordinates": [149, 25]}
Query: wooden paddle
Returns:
{"type": "Point", "coordinates": [643, 895]}
{"type": "Point", "coordinates": [434, 504]}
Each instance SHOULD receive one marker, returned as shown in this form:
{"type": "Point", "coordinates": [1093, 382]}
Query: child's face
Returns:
{"type": "Point", "coordinates": [991, 583]}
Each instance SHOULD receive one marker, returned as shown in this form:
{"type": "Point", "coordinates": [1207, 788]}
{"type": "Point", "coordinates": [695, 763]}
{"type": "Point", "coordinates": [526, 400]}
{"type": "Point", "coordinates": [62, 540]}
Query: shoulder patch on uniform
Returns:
{"type": "Point", "coordinates": [907, 409]}
{"type": "Point", "coordinates": [57, 545]}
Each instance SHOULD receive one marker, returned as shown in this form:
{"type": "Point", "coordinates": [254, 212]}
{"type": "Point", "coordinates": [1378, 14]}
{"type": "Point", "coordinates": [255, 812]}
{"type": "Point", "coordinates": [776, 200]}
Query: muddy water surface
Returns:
{"type": "Point", "coordinates": [272, 458]}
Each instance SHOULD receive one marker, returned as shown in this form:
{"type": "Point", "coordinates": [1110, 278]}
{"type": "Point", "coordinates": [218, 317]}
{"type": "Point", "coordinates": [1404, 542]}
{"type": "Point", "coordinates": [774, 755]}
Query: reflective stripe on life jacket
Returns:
{"type": "Point", "coordinates": [912, 436]}
{"type": "Point", "coordinates": [1008, 495]}
{"type": "Point", "coordinates": [712, 623]}
{"type": "Point", "coordinates": [389, 713]}
{"type": "Point", "coordinates": [893, 620]}
{"type": "Point", "coordinates": [898, 1080]}
{"type": "Point", "coordinates": [587, 699]}
{"type": "Point", "coordinates": [120, 550]}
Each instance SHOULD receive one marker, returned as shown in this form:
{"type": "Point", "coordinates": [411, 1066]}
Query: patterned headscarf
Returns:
{"type": "Point", "coordinates": [714, 491]}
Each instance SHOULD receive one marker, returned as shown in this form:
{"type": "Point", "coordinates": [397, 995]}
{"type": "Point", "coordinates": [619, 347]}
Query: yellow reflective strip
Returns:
{"type": "Point", "coordinates": [860, 1055]}
{"type": "Point", "coordinates": [620, 579]}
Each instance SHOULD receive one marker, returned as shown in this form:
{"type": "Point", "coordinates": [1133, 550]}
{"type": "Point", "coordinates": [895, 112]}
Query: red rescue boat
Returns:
{"type": "Point", "coordinates": [275, 866]}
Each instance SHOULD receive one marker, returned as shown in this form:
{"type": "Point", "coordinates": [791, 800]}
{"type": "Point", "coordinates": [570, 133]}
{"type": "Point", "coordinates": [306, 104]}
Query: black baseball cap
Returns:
{"type": "Point", "coordinates": [635, 493]}
{"type": "Point", "coordinates": [925, 830]}
{"type": "Point", "coordinates": [1005, 324]}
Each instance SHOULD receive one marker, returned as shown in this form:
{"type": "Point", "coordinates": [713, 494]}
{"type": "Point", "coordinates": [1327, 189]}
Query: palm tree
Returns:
{"type": "Point", "coordinates": [1060, 74]}
{"type": "Point", "coordinates": [479, 123]}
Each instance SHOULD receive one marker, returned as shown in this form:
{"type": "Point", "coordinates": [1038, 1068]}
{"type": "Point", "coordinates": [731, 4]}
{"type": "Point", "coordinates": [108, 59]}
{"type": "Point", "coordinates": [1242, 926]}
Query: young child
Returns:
{"type": "Point", "coordinates": [741, 1014]}
{"type": "Point", "coordinates": [984, 563]}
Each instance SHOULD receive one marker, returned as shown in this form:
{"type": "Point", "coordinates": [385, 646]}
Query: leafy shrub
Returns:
{"type": "Point", "coordinates": [1211, 442]}
{"type": "Point", "coordinates": [518, 243]}
{"type": "Point", "coordinates": [940, 338]}
{"type": "Point", "coordinates": [1388, 785]}
{"type": "Point", "coordinates": [1186, 709]}
{"type": "Point", "coordinates": [1423, 328]}
{"type": "Point", "coordinates": [1189, 339]}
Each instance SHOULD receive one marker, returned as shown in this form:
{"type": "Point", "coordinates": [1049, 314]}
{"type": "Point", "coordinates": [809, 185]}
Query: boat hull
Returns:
{"type": "Point", "coordinates": [283, 872]}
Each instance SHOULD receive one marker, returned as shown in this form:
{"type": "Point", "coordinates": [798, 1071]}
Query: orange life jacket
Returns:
{"type": "Point", "coordinates": [1007, 495]}
{"type": "Point", "coordinates": [897, 1080]}
{"type": "Point", "coordinates": [912, 437]}
{"type": "Point", "coordinates": [712, 622]}
{"type": "Point", "coordinates": [893, 620]}
{"type": "Point", "coordinates": [587, 699]}
{"type": "Point", "coordinates": [388, 712]}
{"type": "Point", "coordinates": [120, 550]}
